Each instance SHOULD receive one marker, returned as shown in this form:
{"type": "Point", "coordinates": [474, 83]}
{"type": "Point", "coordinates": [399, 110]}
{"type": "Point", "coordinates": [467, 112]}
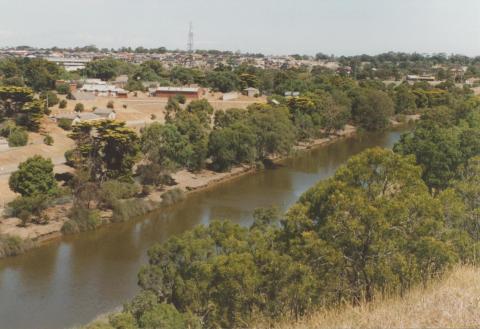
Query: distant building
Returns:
{"type": "Point", "coordinates": [122, 93]}
{"type": "Point", "coordinates": [70, 64]}
{"type": "Point", "coordinates": [101, 88]}
{"type": "Point", "coordinates": [108, 114]}
{"type": "Point", "coordinates": [292, 94]}
{"type": "Point", "coordinates": [121, 81]}
{"type": "Point", "coordinates": [411, 77]}
{"type": "Point", "coordinates": [188, 92]}
{"type": "Point", "coordinates": [251, 92]}
{"type": "Point", "coordinates": [80, 117]}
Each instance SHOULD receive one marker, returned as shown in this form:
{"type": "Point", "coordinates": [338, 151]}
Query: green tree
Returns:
{"type": "Point", "coordinates": [19, 103]}
{"type": "Point", "coordinates": [201, 109]}
{"type": "Point", "coordinates": [31, 114]}
{"type": "Point", "coordinates": [163, 316]}
{"type": "Point", "coordinates": [63, 88]}
{"type": "Point", "coordinates": [166, 146]}
{"type": "Point", "coordinates": [405, 100]}
{"type": "Point", "coordinates": [191, 126]}
{"type": "Point", "coordinates": [232, 145]}
{"type": "Point", "coordinates": [273, 128]}
{"type": "Point", "coordinates": [105, 69]}
{"type": "Point", "coordinates": [63, 104]}
{"type": "Point", "coordinates": [436, 149]}
{"type": "Point", "coordinates": [50, 98]}
{"type": "Point", "coordinates": [109, 152]}
{"type": "Point", "coordinates": [79, 107]}
{"type": "Point", "coordinates": [376, 223]}
{"type": "Point", "coordinates": [17, 137]}
{"type": "Point", "coordinates": [40, 74]}
{"type": "Point", "coordinates": [372, 109]}
{"type": "Point", "coordinates": [223, 81]}
{"type": "Point", "coordinates": [34, 177]}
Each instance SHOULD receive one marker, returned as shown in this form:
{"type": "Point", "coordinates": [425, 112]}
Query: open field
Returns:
{"type": "Point", "coordinates": [451, 302]}
{"type": "Point", "coordinates": [139, 109]}
{"type": "Point", "coordinates": [137, 114]}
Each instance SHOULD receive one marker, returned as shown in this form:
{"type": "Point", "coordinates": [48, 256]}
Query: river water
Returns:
{"type": "Point", "coordinates": [71, 281]}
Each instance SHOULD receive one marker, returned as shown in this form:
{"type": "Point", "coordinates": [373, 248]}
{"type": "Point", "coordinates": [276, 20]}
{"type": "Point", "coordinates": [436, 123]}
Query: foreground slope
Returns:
{"type": "Point", "coordinates": [453, 302]}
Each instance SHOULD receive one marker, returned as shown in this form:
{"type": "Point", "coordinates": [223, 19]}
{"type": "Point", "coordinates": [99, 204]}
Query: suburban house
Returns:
{"type": "Point", "coordinates": [82, 117]}
{"type": "Point", "coordinates": [121, 81]}
{"type": "Point", "coordinates": [188, 92]}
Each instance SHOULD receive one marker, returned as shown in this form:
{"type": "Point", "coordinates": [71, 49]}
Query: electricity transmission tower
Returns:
{"type": "Point", "coordinates": [190, 39]}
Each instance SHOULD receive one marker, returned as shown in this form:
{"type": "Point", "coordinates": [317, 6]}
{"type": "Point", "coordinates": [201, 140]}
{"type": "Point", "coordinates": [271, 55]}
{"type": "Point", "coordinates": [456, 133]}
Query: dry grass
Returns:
{"type": "Point", "coordinates": [453, 302]}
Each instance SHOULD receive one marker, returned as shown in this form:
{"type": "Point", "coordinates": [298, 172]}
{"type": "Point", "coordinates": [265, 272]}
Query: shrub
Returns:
{"type": "Point", "coordinates": [154, 174]}
{"type": "Point", "coordinates": [65, 124]}
{"type": "Point", "coordinates": [163, 316]}
{"type": "Point", "coordinates": [63, 104]}
{"type": "Point", "coordinates": [13, 245]}
{"type": "Point", "coordinates": [110, 105]}
{"type": "Point", "coordinates": [113, 190]}
{"type": "Point", "coordinates": [48, 140]}
{"type": "Point", "coordinates": [124, 210]}
{"type": "Point", "coordinates": [69, 157]}
{"type": "Point", "coordinates": [79, 107]}
{"type": "Point", "coordinates": [18, 137]}
{"type": "Point", "coordinates": [81, 220]}
{"type": "Point", "coordinates": [50, 97]}
{"type": "Point", "coordinates": [180, 98]}
{"type": "Point", "coordinates": [172, 196]}
{"type": "Point", "coordinates": [147, 190]}
{"type": "Point", "coordinates": [25, 216]}
{"type": "Point", "coordinates": [27, 207]}
{"type": "Point", "coordinates": [63, 89]}
{"type": "Point", "coordinates": [70, 96]}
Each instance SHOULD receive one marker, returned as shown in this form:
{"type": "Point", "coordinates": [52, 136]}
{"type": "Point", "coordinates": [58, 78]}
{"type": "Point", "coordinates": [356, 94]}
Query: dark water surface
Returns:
{"type": "Point", "coordinates": [71, 281]}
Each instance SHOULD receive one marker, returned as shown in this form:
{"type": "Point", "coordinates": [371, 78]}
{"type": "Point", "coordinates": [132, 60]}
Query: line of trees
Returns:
{"type": "Point", "coordinates": [193, 138]}
{"type": "Point", "coordinates": [387, 220]}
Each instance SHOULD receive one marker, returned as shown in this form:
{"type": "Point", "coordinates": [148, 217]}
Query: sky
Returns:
{"type": "Point", "coordinates": [340, 27]}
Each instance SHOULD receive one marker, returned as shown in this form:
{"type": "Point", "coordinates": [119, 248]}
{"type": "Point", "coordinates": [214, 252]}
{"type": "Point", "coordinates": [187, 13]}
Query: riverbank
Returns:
{"type": "Point", "coordinates": [187, 183]}
{"type": "Point", "coordinates": [94, 272]}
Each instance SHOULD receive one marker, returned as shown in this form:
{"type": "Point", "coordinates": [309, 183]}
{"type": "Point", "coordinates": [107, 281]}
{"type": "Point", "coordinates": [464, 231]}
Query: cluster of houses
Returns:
{"type": "Point", "coordinates": [98, 87]}
{"type": "Point", "coordinates": [97, 115]}
{"type": "Point", "coordinates": [74, 60]}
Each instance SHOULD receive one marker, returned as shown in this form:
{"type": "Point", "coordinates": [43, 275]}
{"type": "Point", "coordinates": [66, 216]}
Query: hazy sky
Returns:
{"type": "Point", "coordinates": [341, 27]}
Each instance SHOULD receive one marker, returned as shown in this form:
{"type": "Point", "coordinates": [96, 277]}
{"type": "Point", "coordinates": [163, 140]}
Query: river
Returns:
{"type": "Point", "coordinates": [71, 281]}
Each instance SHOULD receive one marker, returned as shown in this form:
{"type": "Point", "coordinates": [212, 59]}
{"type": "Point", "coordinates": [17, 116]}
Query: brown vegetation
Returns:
{"type": "Point", "coordinates": [452, 302]}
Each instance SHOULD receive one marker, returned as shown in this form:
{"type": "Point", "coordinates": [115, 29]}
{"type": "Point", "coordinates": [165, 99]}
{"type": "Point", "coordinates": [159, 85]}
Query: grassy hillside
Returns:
{"type": "Point", "coordinates": [453, 302]}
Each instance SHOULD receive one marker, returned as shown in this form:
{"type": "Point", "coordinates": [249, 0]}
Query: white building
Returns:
{"type": "Point", "coordinates": [108, 114]}
{"type": "Point", "coordinates": [101, 88]}
{"type": "Point", "coordinates": [81, 117]}
{"type": "Point", "coordinates": [70, 64]}
{"type": "Point", "coordinates": [251, 92]}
